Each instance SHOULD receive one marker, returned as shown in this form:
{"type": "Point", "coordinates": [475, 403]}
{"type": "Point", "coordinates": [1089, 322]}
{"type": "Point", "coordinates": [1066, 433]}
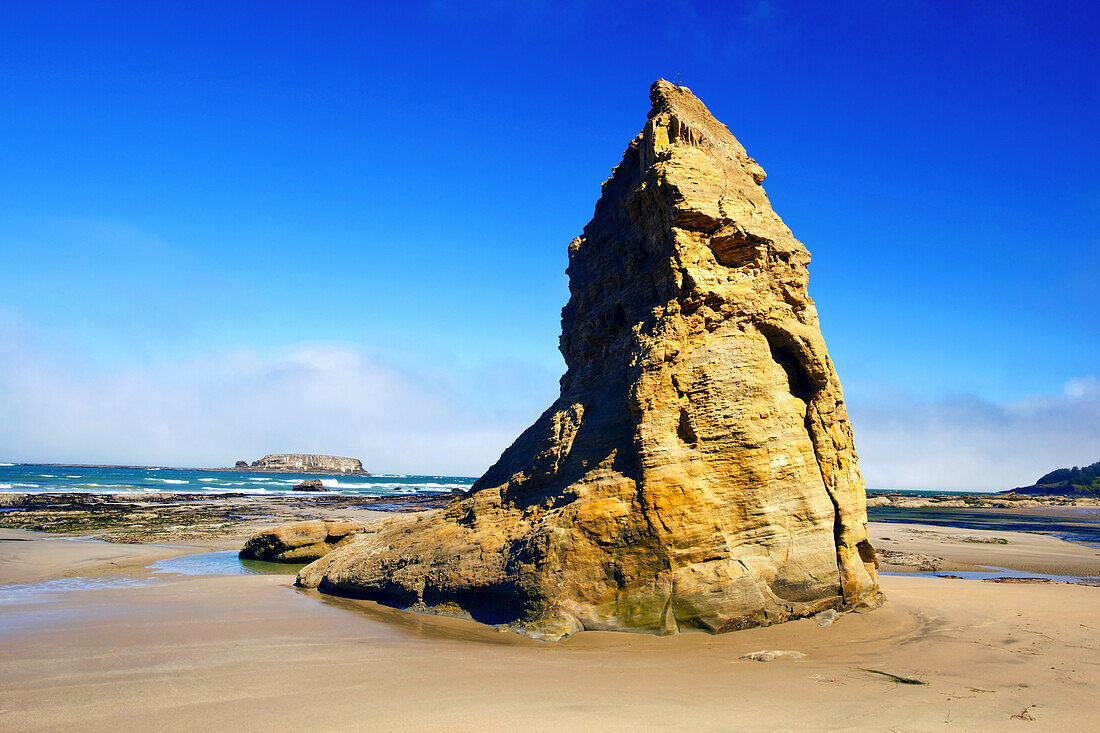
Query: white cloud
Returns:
{"type": "Point", "coordinates": [339, 399]}
{"type": "Point", "coordinates": [971, 444]}
{"type": "Point", "coordinates": [213, 410]}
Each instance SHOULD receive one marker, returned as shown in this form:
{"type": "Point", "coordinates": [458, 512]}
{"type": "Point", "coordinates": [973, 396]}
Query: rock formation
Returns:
{"type": "Point", "coordinates": [300, 541]}
{"type": "Point", "coordinates": [241, 464]}
{"type": "Point", "coordinates": [698, 469]}
{"type": "Point", "coordinates": [310, 484]}
{"type": "Point", "coordinates": [309, 463]}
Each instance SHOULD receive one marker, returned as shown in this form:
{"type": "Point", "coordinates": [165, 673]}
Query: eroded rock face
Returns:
{"type": "Point", "coordinates": [300, 541]}
{"type": "Point", "coordinates": [698, 469]}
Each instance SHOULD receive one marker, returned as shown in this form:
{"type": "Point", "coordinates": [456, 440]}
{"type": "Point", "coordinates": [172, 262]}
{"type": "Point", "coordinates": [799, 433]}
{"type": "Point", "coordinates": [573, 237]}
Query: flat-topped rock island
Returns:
{"type": "Point", "coordinates": [306, 463]}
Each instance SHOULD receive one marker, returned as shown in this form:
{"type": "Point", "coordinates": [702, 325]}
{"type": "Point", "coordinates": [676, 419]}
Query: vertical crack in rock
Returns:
{"type": "Point", "coordinates": [698, 469]}
{"type": "Point", "coordinates": [801, 386]}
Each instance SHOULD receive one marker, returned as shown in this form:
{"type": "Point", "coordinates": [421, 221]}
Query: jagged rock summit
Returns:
{"type": "Point", "coordinates": [698, 469]}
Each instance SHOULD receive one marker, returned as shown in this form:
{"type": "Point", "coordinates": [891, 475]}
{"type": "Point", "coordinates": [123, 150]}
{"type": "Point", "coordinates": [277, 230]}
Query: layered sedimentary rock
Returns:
{"type": "Point", "coordinates": [698, 469]}
{"type": "Point", "coordinates": [300, 541]}
{"type": "Point", "coordinates": [308, 463]}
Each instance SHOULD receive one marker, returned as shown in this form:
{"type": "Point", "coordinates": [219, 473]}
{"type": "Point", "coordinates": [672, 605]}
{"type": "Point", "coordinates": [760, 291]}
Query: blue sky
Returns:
{"type": "Point", "coordinates": [211, 209]}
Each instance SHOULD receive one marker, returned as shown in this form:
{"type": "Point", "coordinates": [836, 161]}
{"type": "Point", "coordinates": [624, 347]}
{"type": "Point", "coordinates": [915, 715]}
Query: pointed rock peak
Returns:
{"type": "Point", "coordinates": [688, 120]}
{"type": "Point", "coordinates": [665, 95]}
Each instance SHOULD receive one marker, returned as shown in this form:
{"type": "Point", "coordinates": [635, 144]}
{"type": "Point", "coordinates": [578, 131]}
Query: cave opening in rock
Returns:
{"type": "Point", "coordinates": [799, 383]}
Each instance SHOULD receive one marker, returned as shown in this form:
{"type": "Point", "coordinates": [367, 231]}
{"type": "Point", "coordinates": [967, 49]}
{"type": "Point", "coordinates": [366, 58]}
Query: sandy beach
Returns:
{"type": "Point", "coordinates": [964, 550]}
{"type": "Point", "coordinates": [534, 366]}
{"type": "Point", "coordinates": [130, 649]}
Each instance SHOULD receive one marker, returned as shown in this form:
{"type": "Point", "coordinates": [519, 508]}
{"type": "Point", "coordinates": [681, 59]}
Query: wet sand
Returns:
{"type": "Point", "coordinates": [252, 652]}
{"type": "Point", "coordinates": [962, 549]}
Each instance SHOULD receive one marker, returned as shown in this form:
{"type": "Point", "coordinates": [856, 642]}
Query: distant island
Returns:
{"type": "Point", "coordinates": [271, 463]}
{"type": "Point", "coordinates": [304, 463]}
{"type": "Point", "coordinates": [1065, 482]}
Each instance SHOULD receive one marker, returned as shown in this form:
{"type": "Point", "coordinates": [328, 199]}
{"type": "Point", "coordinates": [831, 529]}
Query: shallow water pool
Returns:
{"type": "Point", "coordinates": [224, 562]}
{"type": "Point", "coordinates": [995, 573]}
{"type": "Point", "coordinates": [17, 593]}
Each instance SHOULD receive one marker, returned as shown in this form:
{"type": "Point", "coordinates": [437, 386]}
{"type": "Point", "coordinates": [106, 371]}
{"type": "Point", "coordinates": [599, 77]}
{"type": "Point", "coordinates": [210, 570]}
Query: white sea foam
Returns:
{"type": "Point", "coordinates": [429, 487]}
{"type": "Point", "coordinates": [335, 484]}
{"type": "Point", "coordinates": [172, 481]}
{"type": "Point", "coordinates": [7, 464]}
{"type": "Point", "coordinates": [207, 479]}
{"type": "Point", "coordinates": [27, 486]}
{"type": "Point", "coordinates": [71, 476]}
{"type": "Point", "coordinates": [5, 486]}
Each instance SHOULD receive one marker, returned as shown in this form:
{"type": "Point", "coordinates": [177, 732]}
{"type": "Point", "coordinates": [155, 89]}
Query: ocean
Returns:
{"type": "Point", "coordinates": [26, 478]}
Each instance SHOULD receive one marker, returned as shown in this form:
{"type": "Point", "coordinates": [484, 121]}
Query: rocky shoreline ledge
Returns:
{"type": "Point", "coordinates": [167, 517]}
{"type": "Point", "coordinates": [973, 501]}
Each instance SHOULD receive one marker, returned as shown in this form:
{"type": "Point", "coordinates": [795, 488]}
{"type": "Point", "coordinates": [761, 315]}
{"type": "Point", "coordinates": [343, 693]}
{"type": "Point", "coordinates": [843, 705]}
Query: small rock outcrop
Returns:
{"type": "Point", "coordinates": [300, 541]}
{"type": "Point", "coordinates": [241, 464]}
{"type": "Point", "coordinates": [698, 470]}
{"type": "Point", "coordinates": [309, 463]}
{"type": "Point", "coordinates": [310, 484]}
{"type": "Point", "coordinates": [770, 655]}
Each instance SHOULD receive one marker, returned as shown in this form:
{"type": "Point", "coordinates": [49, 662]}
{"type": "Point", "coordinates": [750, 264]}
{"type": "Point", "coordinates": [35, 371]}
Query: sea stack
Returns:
{"type": "Point", "coordinates": [698, 470]}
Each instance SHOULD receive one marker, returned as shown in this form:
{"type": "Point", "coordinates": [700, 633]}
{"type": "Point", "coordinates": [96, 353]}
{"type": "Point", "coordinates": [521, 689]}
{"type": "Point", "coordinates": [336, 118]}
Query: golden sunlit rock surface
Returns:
{"type": "Point", "coordinates": [300, 541]}
{"type": "Point", "coordinates": [698, 469]}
